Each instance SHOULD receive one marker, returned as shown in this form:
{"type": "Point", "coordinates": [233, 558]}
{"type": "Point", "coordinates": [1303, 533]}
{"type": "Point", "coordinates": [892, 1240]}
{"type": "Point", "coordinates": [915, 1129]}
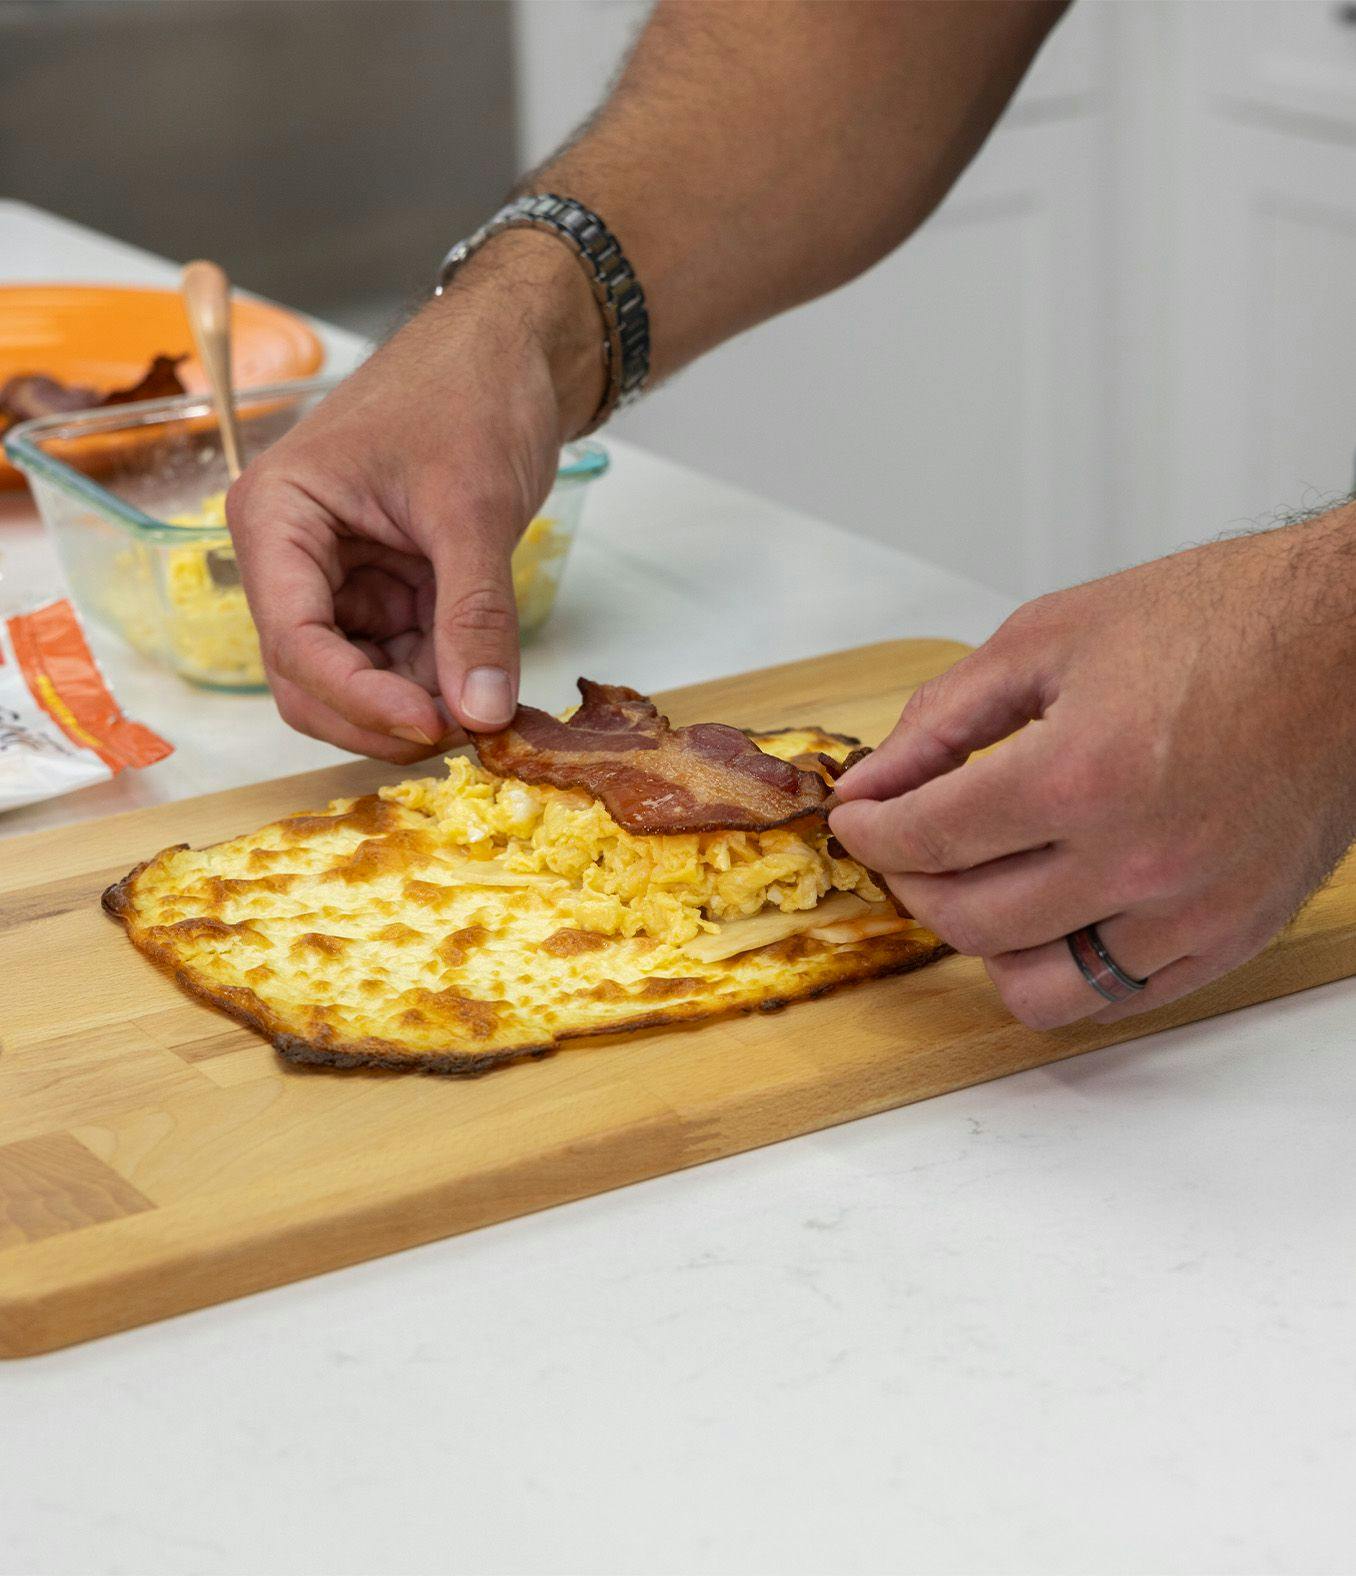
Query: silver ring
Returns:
{"type": "Point", "coordinates": [1099, 968]}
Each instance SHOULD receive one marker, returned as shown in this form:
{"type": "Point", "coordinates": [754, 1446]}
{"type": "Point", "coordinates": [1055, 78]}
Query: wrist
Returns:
{"type": "Point", "coordinates": [538, 283]}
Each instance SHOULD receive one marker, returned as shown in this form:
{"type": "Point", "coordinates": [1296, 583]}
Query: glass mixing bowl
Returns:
{"type": "Point", "coordinates": [133, 498]}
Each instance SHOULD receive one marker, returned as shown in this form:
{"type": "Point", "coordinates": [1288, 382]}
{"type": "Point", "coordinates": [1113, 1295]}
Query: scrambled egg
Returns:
{"type": "Point", "coordinates": [202, 623]}
{"type": "Point", "coordinates": [670, 888]}
{"type": "Point", "coordinates": [209, 627]}
{"type": "Point", "coordinates": [168, 604]}
{"type": "Point", "coordinates": [366, 933]}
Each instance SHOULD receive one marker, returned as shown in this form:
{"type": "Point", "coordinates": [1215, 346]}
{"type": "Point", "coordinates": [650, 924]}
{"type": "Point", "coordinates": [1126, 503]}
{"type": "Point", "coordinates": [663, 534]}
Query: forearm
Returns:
{"type": "Point", "coordinates": [755, 155]}
{"type": "Point", "coordinates": [1313, 604]}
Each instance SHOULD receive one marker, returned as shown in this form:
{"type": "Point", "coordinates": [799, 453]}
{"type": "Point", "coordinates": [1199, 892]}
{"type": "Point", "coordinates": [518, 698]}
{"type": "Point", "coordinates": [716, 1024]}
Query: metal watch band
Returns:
{"type": "Point", "coordinates": [621, 301]}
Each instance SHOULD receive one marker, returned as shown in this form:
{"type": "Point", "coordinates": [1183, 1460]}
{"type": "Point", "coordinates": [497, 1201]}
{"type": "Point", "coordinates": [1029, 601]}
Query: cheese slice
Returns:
{"type": "Point", "coordinates": [743, 935]}
{"type": "Point", "coordinates": [883, 923]}
{"type": "Point", "coordinates": [840, 920]}
{"type": "Point", "coordinates": [490, 873]}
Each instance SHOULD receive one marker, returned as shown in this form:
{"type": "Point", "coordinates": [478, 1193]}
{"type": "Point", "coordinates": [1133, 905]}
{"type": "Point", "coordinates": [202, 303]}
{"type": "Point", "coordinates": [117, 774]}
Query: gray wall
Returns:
{"type": "Point", "coordinates": [326, 152]}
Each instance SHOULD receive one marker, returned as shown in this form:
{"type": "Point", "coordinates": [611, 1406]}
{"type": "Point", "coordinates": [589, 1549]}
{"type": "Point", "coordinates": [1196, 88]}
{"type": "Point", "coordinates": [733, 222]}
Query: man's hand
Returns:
{"type": "Point", "coordinates": [374, 539]}
{"type": "Point", "coordinates": [1186, 775]}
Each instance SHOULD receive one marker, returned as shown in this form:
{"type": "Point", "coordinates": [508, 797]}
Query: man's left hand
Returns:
{"type": "Point", "coordinates": [1181, 772]}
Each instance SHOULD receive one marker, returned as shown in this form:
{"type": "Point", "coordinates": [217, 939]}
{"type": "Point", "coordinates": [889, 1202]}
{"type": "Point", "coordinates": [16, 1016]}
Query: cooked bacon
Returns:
{"type": "Point", "coordinates": [833, 771]}
{"type": "Point", "coordinates": [161, 380]}
{"type": "Point", "coordinates": [30, 394]}
{"type": "Point", "coordinates": [654, 779]}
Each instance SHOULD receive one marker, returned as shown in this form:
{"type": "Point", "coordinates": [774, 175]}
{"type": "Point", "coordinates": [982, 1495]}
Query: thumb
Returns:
{"type": "Point", "coordinates": [476, 629]}
{"type": "Point", "coordinates": [984, 698]}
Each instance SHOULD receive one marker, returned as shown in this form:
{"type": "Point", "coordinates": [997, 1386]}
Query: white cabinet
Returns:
{"type": "Point", "coordinates": [1131, 326]}
{"type": "Point", "coordinates": [953, 400]}
{"type": "Point", "coordinates": [1266, 351]}
{"type": "Point", "coordinates": [1289, 61]}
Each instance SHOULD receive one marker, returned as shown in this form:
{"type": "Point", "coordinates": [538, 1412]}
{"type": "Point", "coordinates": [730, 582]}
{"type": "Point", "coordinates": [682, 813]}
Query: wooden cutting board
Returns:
{"type": "Point", "coordinates": [155, 1157]}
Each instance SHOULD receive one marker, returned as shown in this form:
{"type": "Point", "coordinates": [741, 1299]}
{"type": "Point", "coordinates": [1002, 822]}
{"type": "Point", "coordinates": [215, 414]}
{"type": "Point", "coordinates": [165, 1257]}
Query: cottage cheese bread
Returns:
{"type": "Point", "coordinates": [450, 923]}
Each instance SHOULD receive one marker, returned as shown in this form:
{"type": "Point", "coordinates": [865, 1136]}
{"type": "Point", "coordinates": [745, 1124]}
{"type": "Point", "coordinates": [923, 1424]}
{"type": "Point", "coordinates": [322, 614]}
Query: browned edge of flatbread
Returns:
{"type": "Point", "coordinates": [245, 1006]}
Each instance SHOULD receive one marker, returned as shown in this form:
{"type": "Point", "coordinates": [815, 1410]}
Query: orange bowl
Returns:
{"type": "Point", "coordinates": [104, 337]}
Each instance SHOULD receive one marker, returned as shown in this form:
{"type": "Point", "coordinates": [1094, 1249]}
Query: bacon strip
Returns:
{"type": "Point", "coordinates": [654, 779]}
{"type": "Point", "coordinates": [161, 380]}
{"type": "Point", "coordinates": [30, 394]}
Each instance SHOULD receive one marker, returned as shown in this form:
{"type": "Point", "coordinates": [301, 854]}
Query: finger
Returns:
{"type": "Point", "coordinates": [307, 715]}
{"type": "Point", "coordinates": [322, 662]}
{"type": "Point", "coordinates": [284, 549]}
{"type": "Point", "coordinates": [358, 552]}
{"type": "Point", "coordinates": [374, 653]}
{"type": "Point", "coordinates": [375, 605]}
{"type": "Point", "coordinates": [1169, 984]}
{"type": "Point", "coordinates": [983, 699]}
{"type": "Point", "coordinates": [990, 808]}
{"type": "Point", "coordinates": [411, 654]}
{"type": "Point", "coordinates": [1044, 988]}
{"type": "Point", "coordinates": [285, 546]}
{"type": "Point", "coordinates": [1007, 905]}
{"type": "Point", "coordinates": [476, 626]}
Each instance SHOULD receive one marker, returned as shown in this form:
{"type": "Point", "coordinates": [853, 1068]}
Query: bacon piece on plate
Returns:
{"type": "Point", "coordinates": [30, 394]}
{"type": "Point", "coordinates": [654, 779]}
{"type": "Point", "coordinates": [161, 380]}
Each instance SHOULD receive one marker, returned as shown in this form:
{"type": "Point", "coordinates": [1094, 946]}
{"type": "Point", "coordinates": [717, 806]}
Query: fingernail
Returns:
{"type": "Point", "coordinates": [413, 736]}
{"type": "Point", "coordinates": [487, 697]}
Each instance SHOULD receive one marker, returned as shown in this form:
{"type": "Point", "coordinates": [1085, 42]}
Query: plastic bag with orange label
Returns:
{"type": "Point", "coordinates": [60, 728]}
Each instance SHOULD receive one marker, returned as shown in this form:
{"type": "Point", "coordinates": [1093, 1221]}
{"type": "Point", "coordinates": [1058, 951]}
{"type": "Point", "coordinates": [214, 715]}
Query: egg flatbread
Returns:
{"type": "Point", "coordinates": [448, 924]}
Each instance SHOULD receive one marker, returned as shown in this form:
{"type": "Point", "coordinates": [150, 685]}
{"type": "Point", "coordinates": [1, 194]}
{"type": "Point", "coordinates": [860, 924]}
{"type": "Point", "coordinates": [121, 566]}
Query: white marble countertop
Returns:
{"type": "Point", "coordinates": [1093, 1318]}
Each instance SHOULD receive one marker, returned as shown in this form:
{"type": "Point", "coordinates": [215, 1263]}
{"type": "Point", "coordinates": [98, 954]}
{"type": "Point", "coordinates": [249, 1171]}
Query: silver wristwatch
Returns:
{"type": "Point", "coordinates": [621, 301]}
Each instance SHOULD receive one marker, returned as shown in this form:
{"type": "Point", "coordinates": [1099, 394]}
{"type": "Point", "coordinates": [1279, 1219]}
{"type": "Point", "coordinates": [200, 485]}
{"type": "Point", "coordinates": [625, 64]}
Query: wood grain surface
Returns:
{"type": "Point", "coordinates": [154, 1157]}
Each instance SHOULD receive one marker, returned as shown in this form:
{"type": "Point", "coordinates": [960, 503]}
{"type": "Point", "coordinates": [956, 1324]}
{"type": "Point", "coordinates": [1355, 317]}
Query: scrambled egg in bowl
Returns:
{"type": "Point", "coordinates": [169, 604]}
{"type": "Point", "coordinates": [185, 603]}
{"type": "Point", "coordinates": [670, 888]}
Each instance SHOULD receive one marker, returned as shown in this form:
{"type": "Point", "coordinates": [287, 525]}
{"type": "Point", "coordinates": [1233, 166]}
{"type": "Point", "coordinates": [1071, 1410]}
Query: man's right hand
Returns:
{"type": "Point", "coordinates": [375, 538]}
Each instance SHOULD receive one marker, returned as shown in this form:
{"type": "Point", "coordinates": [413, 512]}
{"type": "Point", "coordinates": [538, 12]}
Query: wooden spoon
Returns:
{"type": "Point", "coordinates": [207, 300]}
